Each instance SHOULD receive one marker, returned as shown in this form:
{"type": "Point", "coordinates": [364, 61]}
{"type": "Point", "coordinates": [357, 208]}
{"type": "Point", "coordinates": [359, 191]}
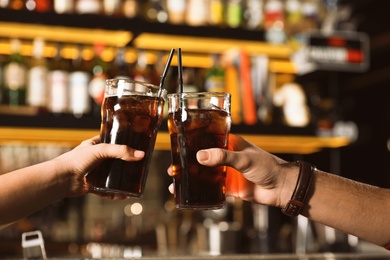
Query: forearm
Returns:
{"type": "Point", "coordinates": [350, 206]}
{"type": "Point", "coordinates": [27, 190]}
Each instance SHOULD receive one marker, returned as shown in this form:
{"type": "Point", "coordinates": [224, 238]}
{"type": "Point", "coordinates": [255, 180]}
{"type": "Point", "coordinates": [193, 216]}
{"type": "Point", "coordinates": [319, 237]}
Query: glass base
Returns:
{"type": "Point", "coordinates": [113, 192]}
{"type": "Point", "coordinates": [200, 207]}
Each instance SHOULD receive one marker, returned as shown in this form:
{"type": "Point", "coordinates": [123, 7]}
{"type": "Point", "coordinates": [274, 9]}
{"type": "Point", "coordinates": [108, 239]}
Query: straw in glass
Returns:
{"type": "Point", "coordinates": [180, 70]}
{"type": "Point", "coordinates": [165, 72]}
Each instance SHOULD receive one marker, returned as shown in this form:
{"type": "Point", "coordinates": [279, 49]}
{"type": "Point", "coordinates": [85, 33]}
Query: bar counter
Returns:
{"type": "Point", "coordinates": [322, 256]}
{"type": "Point", "coordinates": [325, 256]}
{"type": "Point", "coordinates": [71, 137]}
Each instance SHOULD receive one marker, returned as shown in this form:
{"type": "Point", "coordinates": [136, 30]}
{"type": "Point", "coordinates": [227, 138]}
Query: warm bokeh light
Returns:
{"type": "Point", "coordinates": [133, 209]}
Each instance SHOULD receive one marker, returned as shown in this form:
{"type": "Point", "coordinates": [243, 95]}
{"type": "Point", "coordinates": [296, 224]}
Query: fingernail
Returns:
{"type": "Point", "coordinates": [203, 156]}
{"type": "Point", "coordinates": [139, 154]}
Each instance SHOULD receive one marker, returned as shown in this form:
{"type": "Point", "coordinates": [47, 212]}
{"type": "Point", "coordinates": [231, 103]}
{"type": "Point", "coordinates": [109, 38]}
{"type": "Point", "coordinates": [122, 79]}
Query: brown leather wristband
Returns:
{"type": "Point", "coordinates": [297, 200]}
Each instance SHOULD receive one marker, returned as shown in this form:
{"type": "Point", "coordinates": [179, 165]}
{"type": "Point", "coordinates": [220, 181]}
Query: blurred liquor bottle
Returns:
{"type": "Point", "coordinates": [99, 76]}
{"type": "Point", "coordinates": [155, 11]}
{"type": "Point", "coordinates": [234, 13]}
{"type": "Point", "coordinates": [16, 4]}
{"type": "Point", "coordinates": [130, 8]}
{"type": "Point", "coordinates": [58, 79]}
{"type": "Point", "coordinates": [294, 18]}
{"type": "Point", "coordinates": [293, 11]}
{"type": "Point", "coordinates": [1, 78]}
{"type": "Point", "coordinates": [147, 68]}
{"type": "Point", "coordinates": [254, 15]}
{"type": "Point", "coordinates": [118, 67]}
{"type": "Point", "coordinates": [157, 69]}
{"type": "Point", "coordinates": [247, 93]}
{"type": "Point", "coordinates": [37, 76]}
{"type": "Point", "coordinates": [89, 7]}
{"type": "Point", "coordinates": [197, 13]}
{"type": "Point", "coordinates": [176, 11]}
{"type": "Point", "coordinates": [215, 76]}
{"type": "Point", "coordinates": [112, 7]}
{"type": "Point", "coordinates": [232, 84]}
{"type": "Point", "coordinates": [141, 71]}
{"type": "Point", "coordinates": [63, 6]}
{"type": "Point", "coordinates": [216, 12]}
{"type": "Point", "coordinates": [4, 3]}
{"type": "Point", "coordinates": [80, 63]}
{"type": "Point", "coordinates": [274, 22]}
{"type": "Point", "coordinates": [79, 77]}
{"type": "Point", "coordinates": [313, 13]}
{"type": "Point", "coordinates": [15, 77]}
{"type": "Point", "coordinates": [190, 83]}
{"type": "Point", "coordinates": [41, 6]}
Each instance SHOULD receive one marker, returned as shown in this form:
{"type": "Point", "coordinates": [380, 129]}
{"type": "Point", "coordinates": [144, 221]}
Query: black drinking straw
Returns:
{"type": "Point", "coordinates": [165, 72]}
{"type": "Point", "coordinates": [180, 128]}
{"type": "Point", "coordinates": [180, 70]}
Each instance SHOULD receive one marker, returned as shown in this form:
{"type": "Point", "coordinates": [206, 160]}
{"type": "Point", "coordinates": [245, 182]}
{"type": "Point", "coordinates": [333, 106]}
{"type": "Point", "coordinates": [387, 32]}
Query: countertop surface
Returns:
{"type": "Point", "coordinates": [324, 256]}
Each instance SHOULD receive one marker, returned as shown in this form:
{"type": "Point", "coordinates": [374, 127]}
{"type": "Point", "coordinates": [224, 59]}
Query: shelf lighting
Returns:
{"type": "Point", "coordinates": [198, 50]}
{"type": "Point", "coordinates": [116, 38]}
{"type": "Point", "coordinates": [207, 45]}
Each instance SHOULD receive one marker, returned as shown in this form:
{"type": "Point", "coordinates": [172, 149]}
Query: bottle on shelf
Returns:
{"type": "Point", "coordinates": [253, 14]}
{"type": "Point", "coordinates": [216, 12]}
{"type": "Point", "coordinates": [58, 84]}
{"type": "Point", "coordinates": [31, 5]}
{"type": "Point", "coordinates": [98, 82]}
{"type": "Point", "coordinates": [215, 76]}
{"type": "Point", "coordinates": [246, 87]}
{"type": "Point", "coordinates": [15, 77]}
{"type": "Point", "coordinates": [63, 7]}
{"type": "Point", "coordinates": [16, 4]}
{"type": "Point", "coordinates": [1, 79]}
{"type": "Point", "coordinates": [197, 12]}
{"type": "Point", "coordinates": [294, 17]}
{"type": "Point", "coordinates": [313, 14]}
{"type": "Point", "coordinates": [88, 7]}
{"type": "Point", "coordinates": [234, 13]}
{"type": "Point", "coordinates": [176, 11]}
{"type": "Point", "coordinates": [189, 81]}
{"type": "Point", "coordinates": [260, 79]}
{"type": "Point", "coordinates": [112, 7]}
{"type": "Point", "coordinates": [274, 22]}
{"type": "Point", "coordinates": [130, 8]}
{"type": "Point", "coordinates": [79, 77]}
{"type": "Point", "coordinates": [157, 70]}
{"type": "Point", "coordinates": [41, 6]}
{"type": "Point", "coordinates": [37, 76]}
{"type": "Point", "coordinates": [141, 71]}
{"type": "Point", "coordinates": [4, 3]}
{"type": "Point", "coordinates": [155, 11]}
{"type": "Point", "coordinates": [119, 68]}
{"type": "Point", "coordinates": [232, 85]}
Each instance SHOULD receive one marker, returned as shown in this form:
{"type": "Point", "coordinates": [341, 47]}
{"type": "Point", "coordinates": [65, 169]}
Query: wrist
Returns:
{"type": "Point", "coordinates": [63, 178]}
{"type": "Point", "coordinates": [301, 190]}
{"type": "Point", "coordinates": [289, 175]}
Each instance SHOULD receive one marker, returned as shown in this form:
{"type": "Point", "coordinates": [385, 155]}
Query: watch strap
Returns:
{"type": "Point", "coordinates": [297, 200]}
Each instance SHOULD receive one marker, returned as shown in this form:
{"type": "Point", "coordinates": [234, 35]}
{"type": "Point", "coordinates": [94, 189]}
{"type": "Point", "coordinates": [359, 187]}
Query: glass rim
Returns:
{"type": "Point", "coordinates": [135, 81]}
{"type": "Point", "coordinates": [199, 94]}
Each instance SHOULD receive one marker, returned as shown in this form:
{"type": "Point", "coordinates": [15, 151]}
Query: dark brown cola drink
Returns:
{"type": "Point", "coordinates": [132, 120]}
{"type": "Point", "coordinates": [191, 130]}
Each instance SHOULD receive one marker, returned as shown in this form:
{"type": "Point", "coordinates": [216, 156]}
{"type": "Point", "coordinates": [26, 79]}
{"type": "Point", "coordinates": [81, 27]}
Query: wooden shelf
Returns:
{"type": "Point", "coordinates": [63, 34]}
{"type": "Point", "coordinates": [72, 137]}
{"type": "Point", "coordinates": [198, 43]}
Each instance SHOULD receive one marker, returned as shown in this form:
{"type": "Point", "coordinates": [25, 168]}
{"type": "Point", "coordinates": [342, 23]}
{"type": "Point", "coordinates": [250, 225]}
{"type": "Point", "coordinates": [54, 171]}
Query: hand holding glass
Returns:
{"type": "Point", "coordinates": [198, 121]}
{"type": "Point", "coordinates": [131, 114]}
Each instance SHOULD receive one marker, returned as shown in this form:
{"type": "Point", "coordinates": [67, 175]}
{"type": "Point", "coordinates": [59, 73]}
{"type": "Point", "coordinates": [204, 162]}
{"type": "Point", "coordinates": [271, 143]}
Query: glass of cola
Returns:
{"type": "Point", "coordinates": [131, 114]}
{"type": "Point", "coordinates": [196, 121]}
